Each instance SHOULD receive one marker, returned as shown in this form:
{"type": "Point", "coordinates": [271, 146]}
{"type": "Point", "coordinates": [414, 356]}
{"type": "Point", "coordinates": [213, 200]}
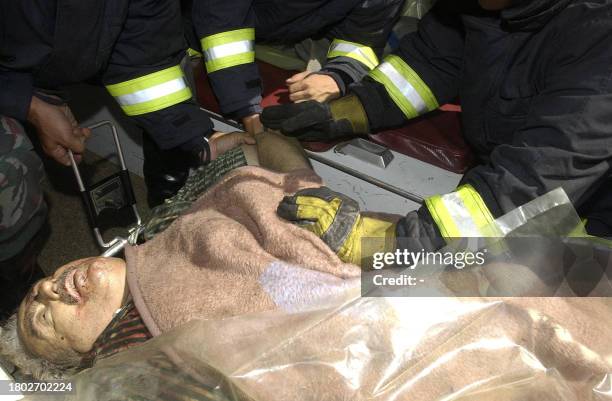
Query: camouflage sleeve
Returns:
{"type": "Point", "coordinates": [22, 206]}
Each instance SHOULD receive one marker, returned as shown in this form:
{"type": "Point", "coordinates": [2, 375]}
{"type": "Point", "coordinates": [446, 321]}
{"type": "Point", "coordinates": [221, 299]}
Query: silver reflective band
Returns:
{"type": "Point", "coordinates": [152, 93]}
{"type": "Point", "coordinates": [362, 54]}
{"type": "Point", "coordinates": [461, 215]}
{"type": "Point", "coordinates": [229, 49]}
{"type": "Point", "coordinates": [408, 91]}
{"type": "Point", "coordinates": [346, 48]}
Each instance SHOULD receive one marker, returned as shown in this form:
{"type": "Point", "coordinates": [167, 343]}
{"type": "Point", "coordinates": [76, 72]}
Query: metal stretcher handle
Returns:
{"type": "Point", "coordinates": [117, 182]}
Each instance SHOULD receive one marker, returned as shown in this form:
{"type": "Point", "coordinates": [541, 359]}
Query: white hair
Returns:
{"type": "Point", "coordinates": [12, 350]}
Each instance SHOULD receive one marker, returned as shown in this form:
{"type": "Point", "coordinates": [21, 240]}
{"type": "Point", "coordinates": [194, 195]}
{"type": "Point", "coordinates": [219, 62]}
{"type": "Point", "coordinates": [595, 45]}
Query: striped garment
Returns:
{"type": "Point", "coordinates": [125, 330]}
{"type": "Point", "coordinates": [154, 378]}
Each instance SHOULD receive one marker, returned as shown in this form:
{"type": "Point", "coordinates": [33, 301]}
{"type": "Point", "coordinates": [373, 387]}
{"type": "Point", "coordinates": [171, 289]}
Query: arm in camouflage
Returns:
{"type": "Point", "coordinates": [22, 206]}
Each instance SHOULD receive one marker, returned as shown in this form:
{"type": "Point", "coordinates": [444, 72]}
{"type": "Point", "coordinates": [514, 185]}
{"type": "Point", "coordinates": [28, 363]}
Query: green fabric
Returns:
{"type": "Point", "coordinates": [197, 183]}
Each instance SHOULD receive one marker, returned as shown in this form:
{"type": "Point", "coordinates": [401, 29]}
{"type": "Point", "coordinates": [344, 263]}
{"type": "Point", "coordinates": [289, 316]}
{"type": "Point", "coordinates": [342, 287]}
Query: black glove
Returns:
{"type": "Point", "coordinates": [312, 120]}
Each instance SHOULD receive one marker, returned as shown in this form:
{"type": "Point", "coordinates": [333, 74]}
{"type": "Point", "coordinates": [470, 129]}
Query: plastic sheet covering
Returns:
{"type": "Point", "coordinates": [387, 348]}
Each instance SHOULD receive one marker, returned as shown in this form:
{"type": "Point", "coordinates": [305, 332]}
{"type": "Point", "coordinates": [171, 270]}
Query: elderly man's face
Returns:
{"type": "Point", "coordinates": [63, 315]}
{"type": "Point", "coordinates": [494, 5]}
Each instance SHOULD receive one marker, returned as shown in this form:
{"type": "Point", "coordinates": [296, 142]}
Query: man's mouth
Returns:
{"type": "Point", "coordinates": [72, 285]}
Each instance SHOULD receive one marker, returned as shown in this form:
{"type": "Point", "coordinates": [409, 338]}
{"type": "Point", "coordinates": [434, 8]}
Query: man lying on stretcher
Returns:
{"type": "Point", "coordinates": [229, 254]}
{"type": "Point", "coordinates": [65, 320]}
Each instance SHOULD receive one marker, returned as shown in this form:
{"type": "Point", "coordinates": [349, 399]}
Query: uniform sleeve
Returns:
{"type": "Point", "coordinates": [420, 76]}
{"type": "Point", "coordinates": [226, 30]}
{"type": "Point", "coordinates": [358, 41]}
{"type": "Point", "coordinates": [16, 94]}
{"type": "Point", "coordinates": [145, 77]}
{"type": "Point", "coordinates": [566, 140]}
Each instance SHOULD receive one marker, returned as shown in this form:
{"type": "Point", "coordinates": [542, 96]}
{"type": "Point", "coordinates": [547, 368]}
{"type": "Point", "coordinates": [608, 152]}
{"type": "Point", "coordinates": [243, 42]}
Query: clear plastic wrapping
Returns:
{"type": "Point", "coordinates": [416, 349]}
{"type": "Point", "coordinates": [383, 348]}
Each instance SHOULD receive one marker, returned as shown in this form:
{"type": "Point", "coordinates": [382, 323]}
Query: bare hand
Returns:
{"type": "Point", "coordinates": [252, 124]}
{"type": "Point", "coordinates": [58, 130]}
{"type": "Point", "coordinates": [308, 86]}
{"type": "Point", "coordinates": [221, 142]}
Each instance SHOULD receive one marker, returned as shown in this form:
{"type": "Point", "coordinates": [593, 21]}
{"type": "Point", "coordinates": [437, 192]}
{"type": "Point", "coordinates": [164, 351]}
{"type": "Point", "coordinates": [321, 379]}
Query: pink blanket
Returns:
{"type": "Point", "coordinates": [224, 256]}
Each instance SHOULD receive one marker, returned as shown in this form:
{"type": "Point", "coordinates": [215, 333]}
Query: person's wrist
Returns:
{"type": "Point", "coordinates": [252, 124]}
{"type": "Point", "coordinates": [34, 111]}
{"type": "Point", "coordinates": [212, 145]}
{"type": "Point", "coordinates": [338, 81]}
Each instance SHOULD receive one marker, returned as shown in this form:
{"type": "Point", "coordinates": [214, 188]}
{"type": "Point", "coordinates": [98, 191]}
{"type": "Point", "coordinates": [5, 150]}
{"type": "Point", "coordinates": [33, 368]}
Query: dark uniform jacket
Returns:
{"type": "Point", "coordinates": [49, 44]}
{"type": "Point", "coordinates": [535, 85]}
{"type": "Point", "coordinates": [365, 24]}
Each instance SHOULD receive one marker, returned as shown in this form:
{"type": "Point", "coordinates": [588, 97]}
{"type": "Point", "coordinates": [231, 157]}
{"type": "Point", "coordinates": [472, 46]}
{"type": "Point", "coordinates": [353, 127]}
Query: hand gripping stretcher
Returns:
{"type": "Point", "coordinates": [114, 192]}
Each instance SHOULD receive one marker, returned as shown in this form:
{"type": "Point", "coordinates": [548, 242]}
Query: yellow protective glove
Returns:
{"type": "Point", "coordinates": [335, 218]}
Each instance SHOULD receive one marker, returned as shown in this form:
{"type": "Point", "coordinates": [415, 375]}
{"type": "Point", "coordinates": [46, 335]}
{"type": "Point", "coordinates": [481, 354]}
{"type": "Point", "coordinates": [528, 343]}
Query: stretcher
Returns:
{"type": "Point", "coordinates": [391, 171]}
{"type": "Point", "coordinates": [114, 192]}
{"type": "Point", "coordinates": [370, 172]}
{"type": "Point", "coordinates": [392, 348]}
{"type": "Point", "coordinates": [288, 351]}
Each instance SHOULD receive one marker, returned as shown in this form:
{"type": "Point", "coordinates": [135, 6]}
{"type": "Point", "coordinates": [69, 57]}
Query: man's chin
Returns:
{"type": "Point", "coordinates": [106, 279]}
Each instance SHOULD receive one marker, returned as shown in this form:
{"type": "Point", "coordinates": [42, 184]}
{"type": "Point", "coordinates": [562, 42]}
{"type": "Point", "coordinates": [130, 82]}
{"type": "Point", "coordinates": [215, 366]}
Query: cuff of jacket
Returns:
{"type": "Point", "coordinates": [418, 232]}
{"type": "Point", "coordinates": [486, 193]}
{"type": "Point", "coordinates": [350, 70]}
{"type": "Point", "coordinates": [176, 125]}
{"type": "Point", "coordinates": [16, 94]}
{"type": "Point", "coordinates": [382, 112]}
{"type": "Point", "coordinates": [247, 111]}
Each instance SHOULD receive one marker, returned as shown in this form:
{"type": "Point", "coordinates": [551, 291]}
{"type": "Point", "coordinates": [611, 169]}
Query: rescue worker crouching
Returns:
{"type": "Point", "coordinates": [535, 82]}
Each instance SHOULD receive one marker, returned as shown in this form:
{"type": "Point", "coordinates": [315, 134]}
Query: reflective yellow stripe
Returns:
{"type": "Point", "coordinates": [405, 87]}
{"type": "Point", "coordinates": [356, 51]}
{"type": "Point", "coordinates": [229, 49]}
{"type": "Point", "coordinates": [442, 217]}
{"type": "Point", "coordinates": [151, 92]}
{"type": "Point", "coordinates": [480, 213]}
{"type": "Point", "coordinates": [462, 213]}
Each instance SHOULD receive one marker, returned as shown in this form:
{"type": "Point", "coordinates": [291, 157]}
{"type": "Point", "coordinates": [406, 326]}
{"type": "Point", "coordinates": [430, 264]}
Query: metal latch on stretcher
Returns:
{"type": "Point", "coordinates": [366, 151]}
{"type": "Point", "coordinates": [113, 192]}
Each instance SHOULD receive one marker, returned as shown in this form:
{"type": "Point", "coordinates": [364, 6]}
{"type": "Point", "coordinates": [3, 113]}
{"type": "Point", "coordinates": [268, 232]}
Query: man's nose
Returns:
{"type": "Point", "coordinates": [48, 290]}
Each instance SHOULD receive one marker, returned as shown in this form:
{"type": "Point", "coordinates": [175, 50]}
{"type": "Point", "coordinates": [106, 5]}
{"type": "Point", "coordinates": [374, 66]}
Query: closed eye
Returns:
{"type": "Point", "coordinates": [41, 322]}
{"type": "Point", "coordinates": [45, 317]}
